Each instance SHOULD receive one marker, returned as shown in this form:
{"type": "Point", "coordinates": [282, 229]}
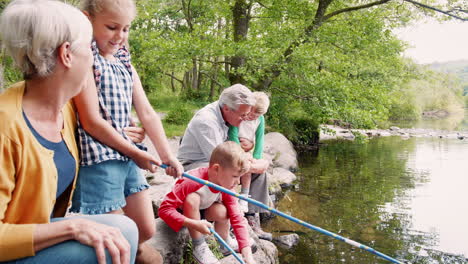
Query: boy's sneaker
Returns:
{"type": "Point", "coordinates": [244, 205]}
{"type": "Point", "coordinates": [203, 255]}
{"type": "Point", "coordinates": [232, 243]}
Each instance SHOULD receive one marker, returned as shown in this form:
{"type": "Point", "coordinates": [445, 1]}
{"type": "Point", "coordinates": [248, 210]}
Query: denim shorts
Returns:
{"type": "Point", "coordinates": [103, 187]}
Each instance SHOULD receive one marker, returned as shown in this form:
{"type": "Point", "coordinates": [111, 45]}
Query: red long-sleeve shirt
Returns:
{"type": "Point", "coordinates": [183, 187]}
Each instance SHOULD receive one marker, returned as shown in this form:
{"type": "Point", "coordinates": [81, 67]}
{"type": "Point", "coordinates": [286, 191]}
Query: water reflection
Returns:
{"type": "Point", "coordinates": [440, 205]}
{"type": "Point", "coordinates": [406, 199]}
{"type": "Point", "coordinates": [454, 122]}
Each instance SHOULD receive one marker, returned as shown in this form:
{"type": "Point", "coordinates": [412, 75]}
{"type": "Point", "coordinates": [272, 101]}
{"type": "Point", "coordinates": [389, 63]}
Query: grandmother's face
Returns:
{"type": "Point", "coordinates": [83, 62]}
{"type": "Point", "coordinates": [253, 115]}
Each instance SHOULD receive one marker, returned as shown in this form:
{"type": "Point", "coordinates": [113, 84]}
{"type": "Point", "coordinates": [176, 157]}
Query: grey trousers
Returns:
{"type": "Point", "coordinates": [194, 165]}
{"type": "Point", "coordinates": [259, 192]}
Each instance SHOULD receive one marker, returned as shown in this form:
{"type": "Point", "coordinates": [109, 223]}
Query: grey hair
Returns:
{"type": "Point", "coordinates": [236, 95]}
{"type": "Point", "coordinates": [94, 7]}
{"type": "Point", "coordinates": [32, 30]}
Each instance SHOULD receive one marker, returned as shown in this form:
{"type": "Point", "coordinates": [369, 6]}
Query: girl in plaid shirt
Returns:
{"type": "Point", "coordinates": [109, 179]}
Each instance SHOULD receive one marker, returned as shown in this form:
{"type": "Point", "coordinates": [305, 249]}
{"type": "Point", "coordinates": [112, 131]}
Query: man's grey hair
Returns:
{"type": "Point", "coordinates": [32, 30]}
{"type": "Point", "coordinates": [236, 95]}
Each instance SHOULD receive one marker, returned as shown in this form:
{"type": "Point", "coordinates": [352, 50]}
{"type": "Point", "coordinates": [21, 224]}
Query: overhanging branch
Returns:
{"type": "Point", "coordinates": [448, 13]}
{"type": "Point", "coordinates": [173, 77]}
{"type": "Point", "coordinates": [354, 8]}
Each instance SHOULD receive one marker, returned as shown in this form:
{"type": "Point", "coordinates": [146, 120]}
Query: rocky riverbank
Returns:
{"type": "Point", "coordinates": [331, 132]}
{"type": "Point", "coordinates": [283, 162]}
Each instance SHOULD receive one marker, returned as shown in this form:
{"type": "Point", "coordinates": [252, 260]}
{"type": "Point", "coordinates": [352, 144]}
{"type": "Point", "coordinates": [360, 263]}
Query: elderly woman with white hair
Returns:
{"type": "Point", "coordinates": [50, 43]}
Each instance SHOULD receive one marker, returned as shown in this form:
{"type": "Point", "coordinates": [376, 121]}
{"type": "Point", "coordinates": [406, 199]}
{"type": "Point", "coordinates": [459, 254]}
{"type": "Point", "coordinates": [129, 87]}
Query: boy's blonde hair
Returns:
{"type": "Point", "coordinates": [262, 102]}
{"type": "Point", "coordinates": [230, 155]}
{"type": "Point", "coordinates": [94, 7]}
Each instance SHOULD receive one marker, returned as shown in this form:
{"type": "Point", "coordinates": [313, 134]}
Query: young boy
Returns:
{"type": "Point", "coordinates": [189, 201]}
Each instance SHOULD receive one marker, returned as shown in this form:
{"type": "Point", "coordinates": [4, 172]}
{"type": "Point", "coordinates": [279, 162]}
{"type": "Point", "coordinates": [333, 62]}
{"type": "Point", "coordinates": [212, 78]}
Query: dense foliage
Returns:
{"type": "Point", "coordinates": [319, 60]}
{"type": "Point", "coordinates": [430, 90]}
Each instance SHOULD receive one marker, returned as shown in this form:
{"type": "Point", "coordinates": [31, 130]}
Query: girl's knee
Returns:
{"type": "Point", "coordinates": [147, 231]}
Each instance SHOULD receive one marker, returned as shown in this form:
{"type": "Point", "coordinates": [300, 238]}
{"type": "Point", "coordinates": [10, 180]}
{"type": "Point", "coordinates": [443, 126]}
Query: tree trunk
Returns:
{"type": "Point", "coordinates": [199, 78]}
{"type": "Point", "coordinates": [172, 83]}
{"type": "Point", "coordinates": [214, 77]}
{"type": "Point", "coordinates": [194, 74]}
{"type": "Point", "coordinates": [187, 83]}
{"type": "Point", "coordinates": [241, 19]}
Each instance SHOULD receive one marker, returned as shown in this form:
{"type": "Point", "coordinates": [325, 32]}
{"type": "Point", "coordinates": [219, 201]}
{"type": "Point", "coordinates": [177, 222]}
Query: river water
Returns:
{"type": "Point", "coordinates": [405, 198]}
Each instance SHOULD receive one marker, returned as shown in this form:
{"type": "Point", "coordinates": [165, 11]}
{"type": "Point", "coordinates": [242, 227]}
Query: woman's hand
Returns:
{"type": "Point", "coordinates": [102, 237]}
{"type": "Point", "coordinates": [175, 169]}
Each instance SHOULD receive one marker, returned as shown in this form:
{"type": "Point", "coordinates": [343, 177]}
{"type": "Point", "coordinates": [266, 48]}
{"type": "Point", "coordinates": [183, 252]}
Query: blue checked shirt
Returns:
{"type": "Point", "coordinates": [114, 84]}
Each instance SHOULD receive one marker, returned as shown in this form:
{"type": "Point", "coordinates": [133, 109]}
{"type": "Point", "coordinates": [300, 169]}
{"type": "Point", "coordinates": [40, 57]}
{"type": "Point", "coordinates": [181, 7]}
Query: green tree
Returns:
{"type": "Point", "coordinates": [327, 59]}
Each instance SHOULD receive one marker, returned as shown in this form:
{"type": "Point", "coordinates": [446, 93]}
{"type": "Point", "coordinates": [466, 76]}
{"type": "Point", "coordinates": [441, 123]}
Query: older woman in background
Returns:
{"type": "Point", "coordinates": [50, 43]}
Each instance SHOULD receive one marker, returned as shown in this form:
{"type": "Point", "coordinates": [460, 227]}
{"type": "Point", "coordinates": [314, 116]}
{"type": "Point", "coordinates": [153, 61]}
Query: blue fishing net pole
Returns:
{"type": "Point", "coordinates": [222, 242]}
{"type": "Point", "coordinates": [273, 210]}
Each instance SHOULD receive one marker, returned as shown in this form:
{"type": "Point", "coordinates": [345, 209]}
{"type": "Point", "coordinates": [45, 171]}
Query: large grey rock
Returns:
{"type": "Point", "coordinates": [169, 243]}
{"type": "Point", "coordinates": [281, 176]}
{"type": "Point", "coordinates": [383, 134]}
{"type": "Point", "coordinates": [157, 194]}
{"type": "Point", "coordinates": [326, 134]}
{"type": "Point", "coordinates": [282, 151]}
{"type": "Point", "coordinates": [287, 241]}
{"type": "Point", "coordinates": [278, 143]}
{"type": "Point", "coordinates": [266, 253]}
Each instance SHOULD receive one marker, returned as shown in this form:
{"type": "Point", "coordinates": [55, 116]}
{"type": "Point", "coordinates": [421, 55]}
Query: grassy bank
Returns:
{"type": "Point", "coordinates": [177, 111]}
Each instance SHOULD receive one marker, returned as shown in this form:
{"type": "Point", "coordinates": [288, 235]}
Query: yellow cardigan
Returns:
{"type": "Point", "coordinates": [28, 176]}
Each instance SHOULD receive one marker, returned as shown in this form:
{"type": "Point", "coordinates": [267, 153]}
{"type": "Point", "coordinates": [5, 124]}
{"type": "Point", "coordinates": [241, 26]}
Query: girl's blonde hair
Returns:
{"type": "Point", "coordinates": [32, 30]}
{"type": "Point", "coordinates": [230, 155]}
{"type": "Point", "coordinates": [94, 7]}
{"type": "Point", "coordinates": [262, 102]}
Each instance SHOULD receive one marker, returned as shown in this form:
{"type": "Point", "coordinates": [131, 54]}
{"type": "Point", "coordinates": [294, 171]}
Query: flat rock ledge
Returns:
{"type": "Point", "coordinates": [331, 132]}
{"type": "Point", "coordinates": [278, 150]}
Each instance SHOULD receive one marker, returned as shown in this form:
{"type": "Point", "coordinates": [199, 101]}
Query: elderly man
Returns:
{"type": "Point", "coordinates": [209, 128]}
